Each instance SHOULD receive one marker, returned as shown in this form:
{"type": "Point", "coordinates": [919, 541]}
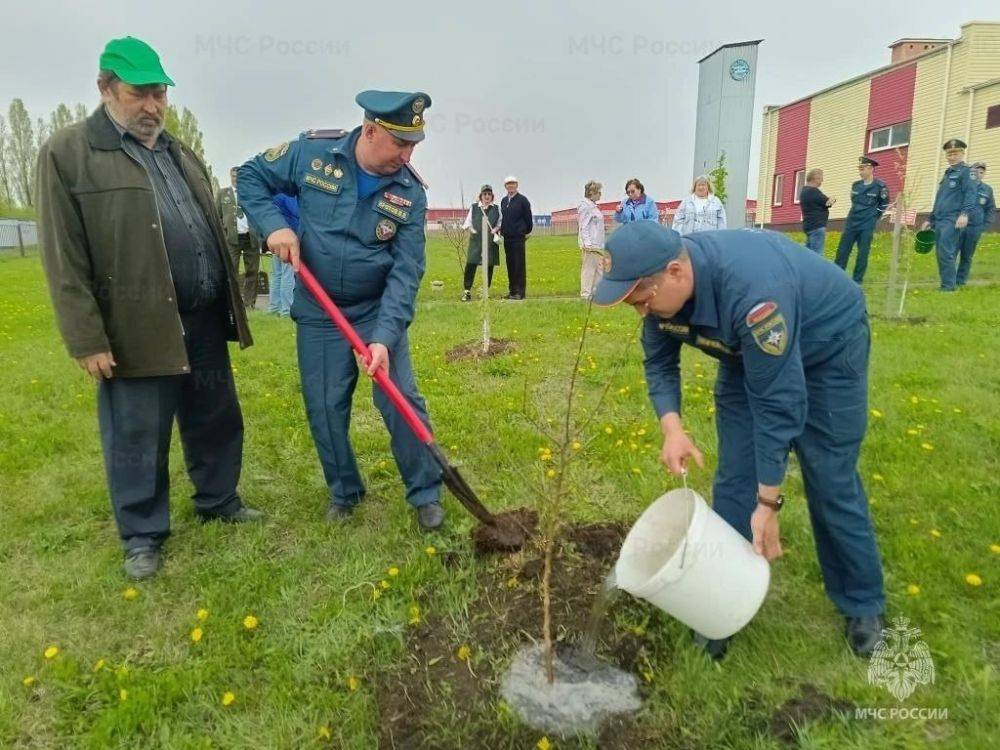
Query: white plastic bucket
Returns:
{"type": "Point", "coordinates": [684, 558]}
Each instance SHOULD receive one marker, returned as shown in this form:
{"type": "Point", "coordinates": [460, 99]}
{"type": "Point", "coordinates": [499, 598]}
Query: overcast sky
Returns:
{"type": "Point", "coordinates": [554, 92]}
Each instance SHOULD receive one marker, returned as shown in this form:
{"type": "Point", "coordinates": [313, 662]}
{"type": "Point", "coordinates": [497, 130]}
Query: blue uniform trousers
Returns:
{"type": "Point", "coordinates": [946, 244]}
{"type": "Point", "coordinates": [862, 235]}
{"type": "Point", "coordinates": [966, 249]}
{"type": "Point", "coordinates": [827, 451]}
{"type": "Point", "coordinates": [137, 415]}
{"type": "Point", "coordinates": [329, 375]}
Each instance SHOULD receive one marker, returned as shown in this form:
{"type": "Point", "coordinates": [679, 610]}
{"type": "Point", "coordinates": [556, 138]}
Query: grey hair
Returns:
{"type": "Point", "coordinates": [591, 189]}
{"type": "Point", "coordinates": [813, 173]}
{"type": "Point", "coordinates": [105, 78]}
{"type": "Point", "coordinates": [702, 178]}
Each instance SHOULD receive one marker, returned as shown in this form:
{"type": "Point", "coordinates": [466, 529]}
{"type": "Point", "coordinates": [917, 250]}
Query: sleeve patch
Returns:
{"type": "Point", "coordinates": [273, 154]}
{"type": "Point", "coordinates": [761, 312]}
{"type": "Point", "coordinates": [771, 336]}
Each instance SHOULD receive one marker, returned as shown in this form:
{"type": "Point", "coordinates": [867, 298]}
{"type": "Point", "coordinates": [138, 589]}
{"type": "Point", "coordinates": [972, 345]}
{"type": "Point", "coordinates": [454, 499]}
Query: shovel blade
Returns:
{"type": "Point", "coordinates": [456, 483]}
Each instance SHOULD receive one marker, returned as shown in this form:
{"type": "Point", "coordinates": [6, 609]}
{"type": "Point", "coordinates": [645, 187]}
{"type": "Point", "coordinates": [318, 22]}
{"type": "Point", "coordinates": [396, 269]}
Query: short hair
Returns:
{"type": "Point", "coordinates": [635, 181]}
{"type": "Point", "coordinates": [813, 173]}
{"type": "Point", "coordinates": [105, 78]}
{"type": "Point", "coordinates": [702, 178]}
{"type": "Point", "coordinates": [591, 189]}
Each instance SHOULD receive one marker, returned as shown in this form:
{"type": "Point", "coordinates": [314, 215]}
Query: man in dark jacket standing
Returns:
{"type": "Point", "coordinates": [515, 226]}
{"type": "Point", "coordinates": [145, 297]}
{"type": "Point", "coordinates": [241, 239]}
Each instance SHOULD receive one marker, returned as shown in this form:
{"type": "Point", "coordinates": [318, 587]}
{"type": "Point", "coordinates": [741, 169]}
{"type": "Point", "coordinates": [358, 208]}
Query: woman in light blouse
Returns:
{"type": "Point", "coordinates": [700, 211]}
{"type": "Point", "coordinates": [591, 238]}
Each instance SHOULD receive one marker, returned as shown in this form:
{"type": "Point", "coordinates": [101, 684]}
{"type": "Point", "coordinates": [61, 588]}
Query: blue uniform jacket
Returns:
{"type": "Point", "coordinates": [986, 206]}
{"type": "Point", "coordinates": [369, 254]}
{"type": "Point", "coordinates": [868, 202]}
{"type": "Point", "coordinates": [956, 194]}
{"type": "Point", "coordinates": [763, 305]}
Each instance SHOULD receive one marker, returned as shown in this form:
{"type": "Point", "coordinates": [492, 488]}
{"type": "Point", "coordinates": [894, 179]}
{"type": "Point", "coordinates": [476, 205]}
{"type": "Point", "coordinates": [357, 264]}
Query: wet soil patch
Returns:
{"type": "Point", "coordinates": [512, 530]}
{"type": "Point", "coordinates": [810, 705]}
{"type": "Point", "coordinates": [474, 350]}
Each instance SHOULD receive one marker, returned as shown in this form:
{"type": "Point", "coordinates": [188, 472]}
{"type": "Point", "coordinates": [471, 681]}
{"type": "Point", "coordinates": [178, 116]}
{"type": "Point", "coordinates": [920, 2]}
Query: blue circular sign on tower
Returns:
{"type": "Point", "coordinates": [739, 69]}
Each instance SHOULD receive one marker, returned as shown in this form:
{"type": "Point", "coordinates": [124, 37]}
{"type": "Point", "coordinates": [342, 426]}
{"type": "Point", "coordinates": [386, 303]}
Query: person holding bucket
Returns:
{"type": "Point", "coordinates": [791, 335]}
{"type": "Point", "coordinates": [954, 203]}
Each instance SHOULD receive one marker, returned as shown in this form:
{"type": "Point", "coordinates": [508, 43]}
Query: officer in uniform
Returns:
{"type": "Point", "coordinates": [241, 239]}
{"type": "Point", "coordinates": [980, 218]}
{"type": "Point", "coordinates": [792, 339]}
{"type": "Point", "coordinates": [954, 204]}
{"type": "Point", "coordinates": [362, 210]}
{"type": "Point", "coordinates": [869, 200]}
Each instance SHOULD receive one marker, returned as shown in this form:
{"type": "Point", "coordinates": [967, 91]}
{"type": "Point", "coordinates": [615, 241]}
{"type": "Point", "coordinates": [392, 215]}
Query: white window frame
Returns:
{"type": "Point", "coordinates": [798, 188]}
{"type": "Point", "coordinates": [777, 196]}
{"type": "Point", "coordinates": [871, 137]}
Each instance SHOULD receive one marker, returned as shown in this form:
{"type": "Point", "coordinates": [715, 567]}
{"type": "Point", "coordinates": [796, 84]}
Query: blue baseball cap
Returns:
{"type": "Point", "coordinates": [633, 252]}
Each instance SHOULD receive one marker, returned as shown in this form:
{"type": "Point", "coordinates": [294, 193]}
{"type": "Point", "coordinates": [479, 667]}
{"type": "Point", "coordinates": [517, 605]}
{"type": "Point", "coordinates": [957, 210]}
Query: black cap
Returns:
{"type": "Point", "coordinates": [867, 160]}
{"type": "Point", "coordinates": [486, 189]}
{"type": "Point", "coordinates": [954, 143]}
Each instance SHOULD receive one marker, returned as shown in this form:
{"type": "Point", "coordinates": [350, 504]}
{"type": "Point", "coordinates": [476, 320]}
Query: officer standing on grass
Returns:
{"type": "Point", "coordinates": [792, 339]}
{"type": "Point", "coordinates": [869, 200]}
{"type": "Point", "coordinates": [980, 218]}
{"type": "Point", "coordinates": [361, 212]}
{"type": "Point", "coordinates": [954, 203]}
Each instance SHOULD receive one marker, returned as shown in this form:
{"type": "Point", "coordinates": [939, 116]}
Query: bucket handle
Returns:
{"type": "Point", "coordinates": [687, 525]}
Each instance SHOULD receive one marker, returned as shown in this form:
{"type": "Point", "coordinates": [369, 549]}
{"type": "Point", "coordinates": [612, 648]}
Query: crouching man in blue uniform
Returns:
{"type": "Point", "coordinates": [790, 332]}
{"type": "Point", "coordinates": [362, 210]}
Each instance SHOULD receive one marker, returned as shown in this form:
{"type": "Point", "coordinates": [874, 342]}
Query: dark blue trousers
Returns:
{"type": "Point", "coordinates": [329, 374]}
{"type": "Point", "coordinates": [966, 249]}
{"type": "Point", "coordinates": [136, 417]}
{"type": "Point", "coordinates": [946, 244]}
{"type": "Point", "coordinates": [827, 451]}
{"type": "Point", "coordinates": [862, 235]}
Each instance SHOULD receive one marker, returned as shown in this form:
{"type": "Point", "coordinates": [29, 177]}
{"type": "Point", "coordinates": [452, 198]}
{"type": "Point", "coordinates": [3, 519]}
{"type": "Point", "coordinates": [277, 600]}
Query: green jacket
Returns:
{"type": "Point", "coordinates": [228, 211]}
{"type": "Point", "coordinates": [103, 252]}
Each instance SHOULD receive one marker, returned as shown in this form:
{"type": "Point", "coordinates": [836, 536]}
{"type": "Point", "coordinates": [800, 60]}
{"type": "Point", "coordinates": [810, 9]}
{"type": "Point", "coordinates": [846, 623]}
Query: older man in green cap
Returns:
{"type": "Point", "coordinates": [145, 298]}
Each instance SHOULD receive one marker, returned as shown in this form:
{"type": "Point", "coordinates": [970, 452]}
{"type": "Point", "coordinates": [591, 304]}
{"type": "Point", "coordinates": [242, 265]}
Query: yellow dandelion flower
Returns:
{"type": "Point", "coordinates": [913, 589]}
{"type": "Point", "coordinates": [912, 433]}
{"type": "Point", "coordinates": [973, 580]}
{"type": "Point", "coordinates": [512, 583]}
{"type": "Point", "coordinates": [384, 584]}
{"type": "Point", "coordinates": [228, 698]}
{"type": "Point", "coordinates": [323, 733]}
{"type": "Point", "coordinates": [550, 473]}
{"type": "Point", "coordinates": [464, 653]}
{"type": "Point", "coordinates": [642, 431]}
{"type": "Point", "coordinates": [202, 615]}
{"type": "Point", "coordinates": [414, 614]}
{"type": "Point", "coordinates": [647, 676]}
{"type": "Point", "coordinates": [935, 533]}
{"type": "Point", "coordinates": [430, 551]}
{"type": "Point", "coordinates": [995, 549]}
{"type": "Point", "coordinates": [196, 635]}
{"type": "Point", "coordinates": [393, 571]}
{"type": "Point", "coordinates": [927, 446]}
{"type": "Point", "coordinates": [957, 410]}
{"type": "Point", "coordinates": [636, 470]}
{"type": "Point", "coordinates": [130, 593]}
{"type": "Point", "coordinates": [51, 652]}
{"type": "Point", "coordinates": [877, 414]}
{"type": "Point", "coordinates": [375, 595]}
{"type": "Point", "coordinates": [123, 695]}
{"type": "Point", "coordinates": [98, 665]}
{"type": "Point", "coordinates": [543, 744]}
{"type": "Point", "coordinates": [576, 445]}
{"type": "Point", "coordinates": [28, 681]}
{"type": "Point", "coordinates": [914, 400]}
{"type": "Point", "coordinates": [250, 622]}
{"type": "Point", "coordinates": [353, 683]}
{"type": "Point", "coordinates": [608, 430]}
{"type": "Point", "coordinates": [878, 477]}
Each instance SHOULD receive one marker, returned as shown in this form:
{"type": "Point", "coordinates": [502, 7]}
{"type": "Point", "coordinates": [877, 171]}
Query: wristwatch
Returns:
{"type": "Point", "coordinates": [774, 505]}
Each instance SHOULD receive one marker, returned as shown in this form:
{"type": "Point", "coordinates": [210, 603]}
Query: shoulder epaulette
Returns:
{"type": "Point", "coordinates": [417, 176]}
{"type": "Point", "coordinates": [332, 133]}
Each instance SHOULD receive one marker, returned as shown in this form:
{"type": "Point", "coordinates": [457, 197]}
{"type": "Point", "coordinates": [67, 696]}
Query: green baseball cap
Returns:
{"type": "Point", "coordinates": [134, 61]}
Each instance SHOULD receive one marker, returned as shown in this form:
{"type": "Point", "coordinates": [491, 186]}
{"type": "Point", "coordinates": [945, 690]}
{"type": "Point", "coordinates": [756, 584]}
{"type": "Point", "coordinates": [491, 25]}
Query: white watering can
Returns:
{"type": "Point", "coordinates": [684, 558]}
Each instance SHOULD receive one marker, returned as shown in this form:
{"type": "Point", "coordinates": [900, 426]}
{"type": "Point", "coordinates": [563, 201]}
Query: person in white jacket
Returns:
{"type": "Point", "coordinates": [591, 238]}
{"type": "Point", "coordinates": [700, 211]}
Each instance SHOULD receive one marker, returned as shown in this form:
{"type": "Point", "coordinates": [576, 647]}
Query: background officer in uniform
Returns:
{"type": "Point", "coordinates": [792, 339]}
{"type": "Point", "coordinates": [954, 203]}
{"type": "Point", "coordinates": [980, 218]}
{"type": "Point", "coordinates": [361, 211]}
{"type": "Point", "coordinates": [869, 200]}
{"type": "Point", "coordinates": [241, 239]}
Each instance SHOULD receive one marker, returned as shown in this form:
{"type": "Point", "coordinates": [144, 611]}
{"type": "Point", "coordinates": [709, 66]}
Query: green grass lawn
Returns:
{"type": "Point", "coordinates": [316, 669]}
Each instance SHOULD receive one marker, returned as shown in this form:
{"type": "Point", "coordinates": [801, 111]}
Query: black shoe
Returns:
{"type": "Point", "coordinates": [466, 296]}
{"type": "Point", "coordinates": [716, 649]}
{"type": "Point", "coordinates": [243, 514]}
{"type": "Point", "coordinates": [430, 516]}
{"type": "Point", "coordinates": [338, 513]}
{"type": "Point", "coordinates": [142, 563]}
{"type": "Point", "coordinates": [864, 633]}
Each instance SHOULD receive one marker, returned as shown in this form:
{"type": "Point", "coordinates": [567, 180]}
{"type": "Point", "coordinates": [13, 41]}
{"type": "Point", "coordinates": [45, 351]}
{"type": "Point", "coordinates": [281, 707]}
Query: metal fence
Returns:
{"type": "Point", "coordinates": [17, 235]}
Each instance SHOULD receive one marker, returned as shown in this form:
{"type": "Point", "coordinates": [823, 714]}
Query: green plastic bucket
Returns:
{"type": "Point", "coordinates": [924, 242]}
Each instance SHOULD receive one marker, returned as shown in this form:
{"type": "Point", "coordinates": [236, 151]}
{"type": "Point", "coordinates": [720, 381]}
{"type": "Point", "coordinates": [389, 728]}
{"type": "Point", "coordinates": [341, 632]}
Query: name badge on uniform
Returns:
{"type": "Point", "coordinates": [393, 212]}
{"type": "Point", "coordinates": [319, 182]}
{"type": "Point", "coordinates": [678, 329]}
{"type": "Point", "coordinates": [397, 200]}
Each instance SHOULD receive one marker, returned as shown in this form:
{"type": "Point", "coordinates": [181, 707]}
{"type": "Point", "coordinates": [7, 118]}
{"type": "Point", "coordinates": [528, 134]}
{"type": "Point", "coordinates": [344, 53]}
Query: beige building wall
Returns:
{"type": "Point", "coordinates": [768, 149]}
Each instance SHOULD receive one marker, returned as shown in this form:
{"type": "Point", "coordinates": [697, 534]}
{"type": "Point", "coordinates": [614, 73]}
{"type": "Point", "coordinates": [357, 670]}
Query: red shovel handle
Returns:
{"type": "Point", "coordinates": [388, 387]}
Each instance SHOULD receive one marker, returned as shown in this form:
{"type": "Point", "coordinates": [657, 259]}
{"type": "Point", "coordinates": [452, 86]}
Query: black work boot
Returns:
{"type": "Point", "coordinates": [142, 563]}
{"type": "Point", "coordinates": [430, 516]}
{"type": "Point", "coordinates": [243, 514]}
{"type": "Point", "coordinates": [864, 633]}
{"type": "Point", "coordinates": [715, 649]}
